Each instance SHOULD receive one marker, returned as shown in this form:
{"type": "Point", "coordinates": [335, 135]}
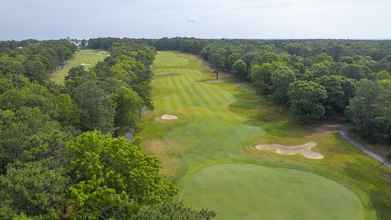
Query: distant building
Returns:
{"type": "Point", "coordinates": [78, 43]}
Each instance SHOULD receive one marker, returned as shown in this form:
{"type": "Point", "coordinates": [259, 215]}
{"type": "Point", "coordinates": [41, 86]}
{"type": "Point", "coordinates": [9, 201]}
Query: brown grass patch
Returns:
{"type": "Point", "coordinates": [169, 153]}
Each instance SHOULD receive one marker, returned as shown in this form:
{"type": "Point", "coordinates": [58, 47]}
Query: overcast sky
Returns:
{"type": "Point", "coordinates": [49, 19]}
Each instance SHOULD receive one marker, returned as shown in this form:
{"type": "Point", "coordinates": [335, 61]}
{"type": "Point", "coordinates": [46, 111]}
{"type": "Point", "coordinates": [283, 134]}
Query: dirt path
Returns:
{"type": "Point", "coordinates": [345, 135]}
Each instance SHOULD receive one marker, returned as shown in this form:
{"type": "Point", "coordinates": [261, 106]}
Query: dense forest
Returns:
{"type": "Point", "coordinates": [62, 154]}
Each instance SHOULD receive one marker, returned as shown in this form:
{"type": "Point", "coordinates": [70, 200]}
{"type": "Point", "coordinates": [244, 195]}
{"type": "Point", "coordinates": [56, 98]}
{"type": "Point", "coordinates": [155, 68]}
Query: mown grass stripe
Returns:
{"type": "Point", "coordinates": [175, 100]}
{"type": "Point", "coordinates": [200, 96]}
{"type": "Point", "coordinates": [182, 92]}
{"type": "Point", "coordinates": [203, 90]}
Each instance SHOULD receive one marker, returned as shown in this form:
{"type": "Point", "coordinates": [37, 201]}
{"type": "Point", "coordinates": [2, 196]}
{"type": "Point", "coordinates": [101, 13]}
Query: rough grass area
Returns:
{"type": "Point", "coordinates": [88, 58]}
{"type": "Point", "coordinates": [220, 123]}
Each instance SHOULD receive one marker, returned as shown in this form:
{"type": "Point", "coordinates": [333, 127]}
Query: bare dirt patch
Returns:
{"type": "Point", "coordinates": [168, 117]}
{"type": "Point", "coordinates": [305, 150]}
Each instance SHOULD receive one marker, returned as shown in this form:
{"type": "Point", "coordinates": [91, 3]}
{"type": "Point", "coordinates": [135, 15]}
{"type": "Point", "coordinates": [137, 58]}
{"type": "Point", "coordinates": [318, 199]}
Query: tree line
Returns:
{"type": "Point", "coordinates": [62, 154]}
{"type": "Point", "coordinates": [315, 79]}
{"type": "Point", "coordinates": [33, 59]}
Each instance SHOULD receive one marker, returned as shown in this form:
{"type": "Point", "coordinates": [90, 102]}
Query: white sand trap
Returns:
{"type": "Point", "coordinates": [169, 117]}
{"type": "Point", "coordinates": [305, 150]}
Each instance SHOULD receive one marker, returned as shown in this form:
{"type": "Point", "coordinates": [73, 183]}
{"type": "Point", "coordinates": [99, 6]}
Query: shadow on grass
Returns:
{"type": "Point", "coordinates": [262, 112]}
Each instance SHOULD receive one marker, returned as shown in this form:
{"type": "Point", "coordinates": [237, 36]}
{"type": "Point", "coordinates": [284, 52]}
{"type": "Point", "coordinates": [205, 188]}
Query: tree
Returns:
{"type": "Point", "coordinates": [383, 75]}
{"type": "Point", "coordinates": [297, 49]}
{"type": "Point", "coordinates": [281, 78]}
{"type": "Point", "coordinates": [32, 189]}
{"type": "Point", "coordinates": [361, 109]}
{"type": "Point", "coordinates": [232, 58]}
{"type": "Point", "coordinates": [383, 113]}
{"type": "Point", "coordinates": [128, 108]}
{"type": "Point", "coordinates": [36, 70]}
{"type": "Point", "coordinates": [217, 57]}
{"type": "Point", "coordinates": [67, 111]}
{"type": "Point", "coordinates": [113, 178]}
{"type": "Point", "coordinates": [320, 69]}
{"type": "Point", "coordinates": [5, 84]}
{"type": "Point", "coordinates": [10, 67]}
{"type": "Point", "coordinates": [143, 90]}
{"type": "Point", "coordinates": [306, 100]}
{"type": "Point", "coordinates": [240, 69]}
{"type": "Point", "coordinates": [271, 57]}
{"type": "Point", "coordinates": [339, 91]}
{"type": "Point", "coordinates": [261, 77]}
{"type": "Point", "coordinates": [96, 107]}
{"type": "Point", "coordinates": [28, 134]}
{"type": "Point", "coordinates": [76, 76]}
{"type": "Point", "coordinates": [124, 68]}
{"type": "Point", "coordinates": [103, 70]}
{"type": "Point", "coordinates": [356, 71]}
{"type": "Point", "coordinates": [29, 95]}
{"type": "Point", "coordinates": [323, 58]}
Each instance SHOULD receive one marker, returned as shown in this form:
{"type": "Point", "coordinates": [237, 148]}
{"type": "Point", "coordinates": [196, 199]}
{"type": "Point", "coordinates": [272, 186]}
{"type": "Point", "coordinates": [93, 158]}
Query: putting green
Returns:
{"type": "Point", "coordinates": [270, 194]}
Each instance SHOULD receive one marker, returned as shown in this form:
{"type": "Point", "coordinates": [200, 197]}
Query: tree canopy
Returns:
{"type": "Point", "coordinates": [62, 154]}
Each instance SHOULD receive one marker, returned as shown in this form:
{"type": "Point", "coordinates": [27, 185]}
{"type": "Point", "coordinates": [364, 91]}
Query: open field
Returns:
{"type": "Point", "coordinates": [210, 151]}
{"type": "Point", "coordinates": [89, 58]}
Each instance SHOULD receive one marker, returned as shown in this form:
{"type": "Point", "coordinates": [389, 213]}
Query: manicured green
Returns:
{"type": "Point", "coordinates": [88, 58]}
{"type": "Point", "coordinates": [270, 193]}
{"type": "Point", "coordinates": [210, 152]}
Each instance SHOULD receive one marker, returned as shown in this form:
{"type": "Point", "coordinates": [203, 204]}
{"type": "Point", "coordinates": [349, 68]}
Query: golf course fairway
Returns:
{"type": "Point", "coordinates": [87, 58]}
{"type": "Point", "coordinates": [208, 148]}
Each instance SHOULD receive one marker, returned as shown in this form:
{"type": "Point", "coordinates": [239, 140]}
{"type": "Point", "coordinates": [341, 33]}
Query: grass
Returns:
{"type": "Point", "coordinates": [88, 58]}
{"type": "Point", "coordinates": [270, 193]}
{"type": "Point", "coordinates": [209, 152]}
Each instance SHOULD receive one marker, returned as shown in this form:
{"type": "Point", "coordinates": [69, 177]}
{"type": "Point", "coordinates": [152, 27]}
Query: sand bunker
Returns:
{"type": "Point", "coordinates": [304, 150]}
{"type": "Point", "coordinates": [169, 117]}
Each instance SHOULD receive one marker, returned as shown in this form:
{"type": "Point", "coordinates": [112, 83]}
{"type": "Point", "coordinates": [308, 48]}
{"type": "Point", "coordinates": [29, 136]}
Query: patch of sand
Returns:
{"type": "Point", "coordinates": [305, 150]}
{"type": "Point", "coordinates": [168, 117]}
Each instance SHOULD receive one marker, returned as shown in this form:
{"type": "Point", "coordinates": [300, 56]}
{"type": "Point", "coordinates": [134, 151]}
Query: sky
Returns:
{"type": "Point", "coordinates": [260, 19]}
